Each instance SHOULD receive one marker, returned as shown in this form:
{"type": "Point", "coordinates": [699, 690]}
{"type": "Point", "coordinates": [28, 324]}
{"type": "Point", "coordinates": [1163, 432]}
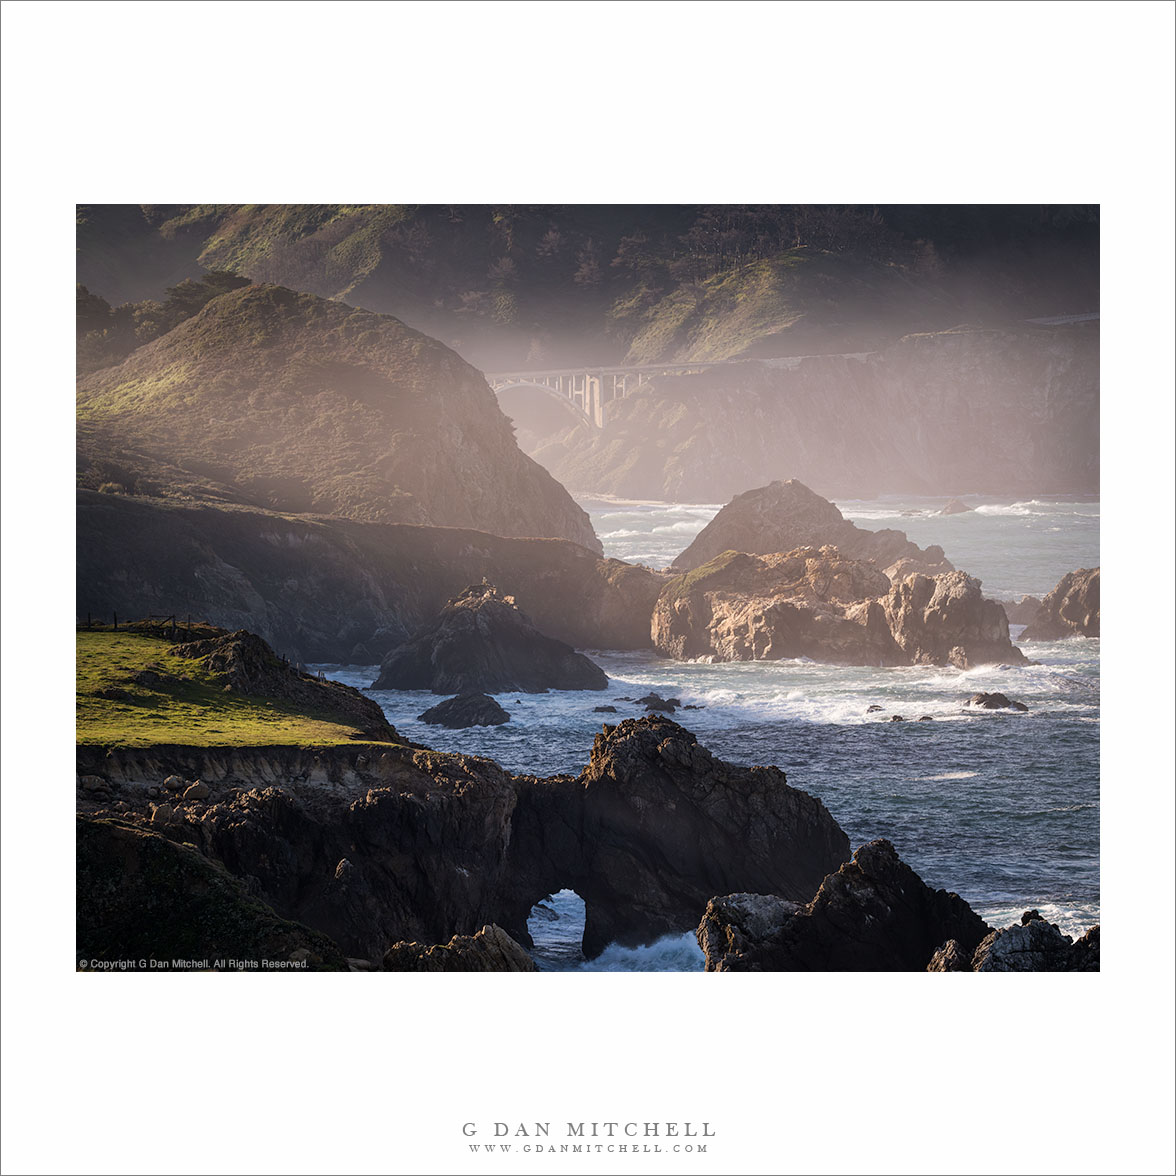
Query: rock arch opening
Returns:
{"type": "Point", "coordinates": [556, 927]}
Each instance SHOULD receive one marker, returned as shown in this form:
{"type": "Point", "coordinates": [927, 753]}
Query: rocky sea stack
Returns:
{"type": "Point", "coordinates": [1070, 610]}
{"type": "Point", "coordinates": [466, 710]}
{"type": "Point", "coordinates": [786, 515]}
{"type": "Point", "coordinates": [483, 643]}
{"type": "Point", "coordinates": [815, 603]}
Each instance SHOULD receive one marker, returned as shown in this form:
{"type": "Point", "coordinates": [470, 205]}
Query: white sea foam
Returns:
{"type": "Point", "coordinates": [671, 953]}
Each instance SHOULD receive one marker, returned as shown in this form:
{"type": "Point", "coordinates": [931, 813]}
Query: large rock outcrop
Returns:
{"type": "Point", "coordinates": [491, 950]}
{"type": "Point", "coordinates": [1070, 610]}
{"type": "Point", "coordinates": [945, 620]}
{"type": "Point", "coordinates": [483, 643]}
{"type": "Point", "coordinates": [280, 400]}
{"type": "Point", "coordinates": [377, 846]}
{"type": "Point", "coordinates": [814, 603]}
{"type": "Point", "coordinates": [335, 590]}
{"type": "Point", "coordinates": [873, 915]}
{"type": "Point", "coordinates": [786, 515]}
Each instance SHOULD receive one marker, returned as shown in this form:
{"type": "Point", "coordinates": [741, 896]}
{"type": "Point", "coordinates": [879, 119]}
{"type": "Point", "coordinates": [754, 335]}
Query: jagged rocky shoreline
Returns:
{"type": "Point", "coordinates": [376, 846]}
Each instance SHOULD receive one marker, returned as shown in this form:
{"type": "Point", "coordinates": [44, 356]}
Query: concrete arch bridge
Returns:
{"type": "Point", "coordinates": [590, 390]}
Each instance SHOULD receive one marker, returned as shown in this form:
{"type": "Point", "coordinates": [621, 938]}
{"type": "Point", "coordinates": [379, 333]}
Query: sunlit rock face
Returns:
{"type": "Point", "coordinates": [282, 400]}
{"type": "Point", "coordinates": [1070, 610]}
{"type": "Point", "coordinates": [813, 603]}
{"type": "Point", "coordinates": [954, 412]}
{"type": "Point", "coordinates": [785, 515]}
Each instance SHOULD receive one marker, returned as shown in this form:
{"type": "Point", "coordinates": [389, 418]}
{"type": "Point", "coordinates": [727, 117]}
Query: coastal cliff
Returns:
{"type": "Point", "coordinates": [335, 589]}
{"type": "Point", "coordinates": [377, 844]}
{"type": "Point", "coordinates": [929, 414]}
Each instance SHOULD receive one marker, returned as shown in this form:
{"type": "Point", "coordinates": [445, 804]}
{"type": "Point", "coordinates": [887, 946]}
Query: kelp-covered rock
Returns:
{"type": "Point", "coordinates": [484, 643]}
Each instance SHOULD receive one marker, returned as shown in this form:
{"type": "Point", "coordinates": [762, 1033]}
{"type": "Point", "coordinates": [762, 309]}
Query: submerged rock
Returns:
{"type": "Point", "coordinates": [1070, 610]}
{"type": "Point", "coordinates": [466, 710]}
{"type": "Point", "coordinates": [604, 710]}
{"type": "Point", "coordinates": [490, 950]}
{"type": "Point", "coordinates": [482, 642]}
{"type": "Point", "coordinates": [873, 915]}
{"type": "Point", "coordinates": [995, 701]}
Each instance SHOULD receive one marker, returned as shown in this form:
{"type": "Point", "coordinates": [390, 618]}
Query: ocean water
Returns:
{"type": "Point", "coordinates": [1001, 807]}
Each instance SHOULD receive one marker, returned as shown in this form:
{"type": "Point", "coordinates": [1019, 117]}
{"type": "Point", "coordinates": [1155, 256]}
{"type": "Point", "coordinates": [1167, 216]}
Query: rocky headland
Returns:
{"type": "Point", "coordinates": [785, 515]}
{"type": "Point", "coordinates": [1070, 610]}
{"type": "Point", "coordinates": [289, 402]}
{"type": "Point", "coordinates": [373, 845]}
{"type": "Point", "coordinates": [814, 603]}
{"type": "Point", "coordinates": [482, 642]}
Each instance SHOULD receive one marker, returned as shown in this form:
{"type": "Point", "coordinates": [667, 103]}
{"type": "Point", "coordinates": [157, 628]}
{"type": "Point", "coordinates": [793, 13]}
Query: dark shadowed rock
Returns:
{"type": "Point", "coordinates": [482, 642]}
{"type": "Point", "coordinates": [873, 915]}
{"type": "Point", "coordinates": [654, 702]}
{"type": "Point", "coordinates": [785, 515]}
{"type": "Point", "coordinates": [655, 826]}
{"type": "Point", "coordinates": [140, 896]}
{"type": "Point", "coordinates": [375, 847]}
{"type": "Point", "coordinates": [733, 926]}
{"type": "Point", "coordinates": [955, 506]}
{"type": "Point", "coordinates": [490, 950]}
{"type": "Point", "coordinates": [995, 701]}
{"type": "Point", "coordinates": [466, 710]}
{"type": "Point", "coordinates": [950, 958]}
{"type": "Point", "coordinates": [340, 590]}
{"type": "Point", "coordinates": [1070, 610]}
{"type": "Point", "coordinates": [873, 708]}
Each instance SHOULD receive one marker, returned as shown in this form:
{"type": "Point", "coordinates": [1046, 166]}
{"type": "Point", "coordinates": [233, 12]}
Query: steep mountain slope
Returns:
{"type": "Point", "coordinates": [288, 401]}
{"type": "Point", "coordinates": [559, 285]}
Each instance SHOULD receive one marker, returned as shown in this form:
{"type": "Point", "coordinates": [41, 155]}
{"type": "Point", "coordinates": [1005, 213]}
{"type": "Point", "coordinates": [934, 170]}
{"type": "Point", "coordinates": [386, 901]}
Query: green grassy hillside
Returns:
{"type": "Point", "coordinates": [133, 690]}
